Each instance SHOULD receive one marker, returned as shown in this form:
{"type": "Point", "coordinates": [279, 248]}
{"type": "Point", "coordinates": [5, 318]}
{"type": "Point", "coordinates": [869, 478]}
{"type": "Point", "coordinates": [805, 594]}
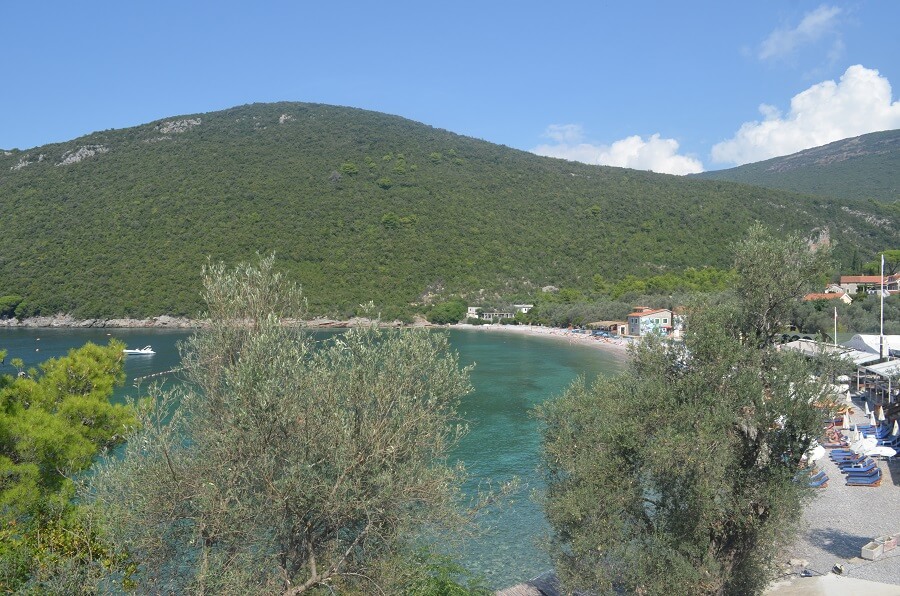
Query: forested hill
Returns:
{"type": "Point", "coordinates": [357, 206]}
{"type": "Point", "coordinates": [864, 167]}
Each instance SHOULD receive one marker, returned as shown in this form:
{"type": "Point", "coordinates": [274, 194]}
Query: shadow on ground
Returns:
{"type": "Point", "coordinates": [893, 465]}
{"type": "Point", "coordinates": [838, 543]}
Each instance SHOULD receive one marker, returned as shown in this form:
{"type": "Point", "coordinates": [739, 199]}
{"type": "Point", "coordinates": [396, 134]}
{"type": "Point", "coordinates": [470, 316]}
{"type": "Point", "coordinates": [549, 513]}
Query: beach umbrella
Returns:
{"type": "Point", "coordinates": [864, 446]}
{"type": "Point", "coordinates": [855, 435]}
{"type": "Point", "coordinates": [872, 419]}
{"type": "Point", "coordinates": [816, 453]}
{"type": "Point", "coordinates": [845, 423]}
{"type": "Point", "coordinates": [896, 430]}
{"type": "Point", "coordinates": [880, 413]}
{"type": "Point", "coordinates": [883, 450]}
{"type": "Point", "coordinates": [867, 408]}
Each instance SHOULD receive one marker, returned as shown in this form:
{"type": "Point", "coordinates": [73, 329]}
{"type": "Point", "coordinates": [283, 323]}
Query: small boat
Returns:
{"type": "Point", "coordinates": [146, 350]}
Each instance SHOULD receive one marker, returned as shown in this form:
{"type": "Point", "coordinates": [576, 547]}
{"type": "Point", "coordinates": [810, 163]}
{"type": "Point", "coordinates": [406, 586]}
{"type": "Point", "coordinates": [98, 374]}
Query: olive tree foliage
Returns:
{"type": "Point", "coordinates": [773, 274]}
{"type": "Point", "coordinates": [678, 477]}
{"type": "Point", "coordinates": [283, 466]}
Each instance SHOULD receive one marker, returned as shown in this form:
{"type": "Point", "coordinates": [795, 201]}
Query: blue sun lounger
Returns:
{"type": "Point", "coordinates": [864, 481]}
{"type": "Point", "coordinates": [858, 467]}
{"type": "Point", "coordinates": [819, 482]}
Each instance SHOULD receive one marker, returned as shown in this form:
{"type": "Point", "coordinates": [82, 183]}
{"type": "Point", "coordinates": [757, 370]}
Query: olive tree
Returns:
{"type": "Point", "coordinates": [283, 465]}
{"type": "Point", "coordinates": [678, 477]}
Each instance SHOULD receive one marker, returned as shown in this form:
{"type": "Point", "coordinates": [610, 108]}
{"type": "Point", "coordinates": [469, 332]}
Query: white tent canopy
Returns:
{"type": "Point", "coordinates": [870, 343]}
{"type": "Point", "coordinates": [888, 369]}
{"type": "Point", "coordinates": [885, 374]}
{"type": "Point", "coordinates": [811, 348]}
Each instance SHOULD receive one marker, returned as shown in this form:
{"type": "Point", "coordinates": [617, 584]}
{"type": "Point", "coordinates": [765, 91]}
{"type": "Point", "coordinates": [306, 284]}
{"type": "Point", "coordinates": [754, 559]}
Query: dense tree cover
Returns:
{"type": "Point", "coordinates": [445, 313]}
{"type": "Point", "coordinates": [360, 207]}
{"type": "Point", "coordinates": [864, 167]}
{"type": "Point", "coordinates": [290, 467]}
{"type": "Point", "coordinates": [678, 477]}
{"type": "Point", "coordinates": [53, 423]}
{"type": "Point", "coordinates": [8, 305]}
{"type": "Point", "coordinates": [891, 263]}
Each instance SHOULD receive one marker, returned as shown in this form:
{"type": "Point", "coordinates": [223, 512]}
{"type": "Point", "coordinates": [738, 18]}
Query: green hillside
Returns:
{"type": "Point", "coordinates": [864, 167]}
{"type": "Point", "coordinates": [358, 206]}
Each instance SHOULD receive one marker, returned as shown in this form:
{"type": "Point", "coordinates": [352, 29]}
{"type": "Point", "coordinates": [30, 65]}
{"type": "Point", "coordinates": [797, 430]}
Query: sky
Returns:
{"type": "Point", "coordinates": [675, 87]}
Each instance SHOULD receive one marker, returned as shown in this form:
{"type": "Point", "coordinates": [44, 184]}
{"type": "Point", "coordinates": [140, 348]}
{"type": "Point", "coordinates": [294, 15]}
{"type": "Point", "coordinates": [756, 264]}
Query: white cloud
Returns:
{"type": "Point", "coordinates": [654, 154]}
{"type": "Point", "coordinates": [815, 25]}
{"type": "Point", "coordinates": [859, 103]}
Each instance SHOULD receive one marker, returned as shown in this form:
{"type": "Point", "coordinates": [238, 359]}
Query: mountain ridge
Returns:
{"type": "Point", "coordinates": [358, 206]}
{"type": "Point", "coordinates": [861, 167]}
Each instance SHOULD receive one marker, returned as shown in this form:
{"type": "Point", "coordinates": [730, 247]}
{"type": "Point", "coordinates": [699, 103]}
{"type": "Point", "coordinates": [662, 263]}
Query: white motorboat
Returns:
{"type": "Point", "coordinates": [146, 350]}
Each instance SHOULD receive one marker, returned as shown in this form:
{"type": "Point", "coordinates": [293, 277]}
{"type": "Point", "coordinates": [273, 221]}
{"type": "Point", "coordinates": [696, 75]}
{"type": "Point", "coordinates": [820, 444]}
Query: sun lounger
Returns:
{"type": "Point", "coordinates": [882, 432]}
{"type": "Point", "coordinates": [854, 471]}
{"type": "Point", "coordinates": [872, 481]}
{"type": "Point", "coordinates": [846, 458]}
{"type": "Point", "coordinates": [863, 473]}
{"type": "Point", "coordinates": [856, 465]}
{"type": "Point", "coordinates": [819, 483]}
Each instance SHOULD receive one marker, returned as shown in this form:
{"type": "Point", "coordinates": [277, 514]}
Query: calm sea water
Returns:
{"type": "Point", "coordinates": [512, 375]}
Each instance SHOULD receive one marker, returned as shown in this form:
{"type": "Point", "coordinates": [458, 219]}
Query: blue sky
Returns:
{"type": "Point", "coordinates": [668, 86]}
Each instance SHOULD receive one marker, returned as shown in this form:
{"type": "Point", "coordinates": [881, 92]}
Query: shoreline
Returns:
{"type": "Point", "coordinates": [170, 322]}
{"type": "Point", "coordinates": [616, 346]}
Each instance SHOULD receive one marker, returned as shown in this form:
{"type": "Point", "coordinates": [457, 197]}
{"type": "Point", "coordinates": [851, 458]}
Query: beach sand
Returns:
{"type": "Point", "coordinates": [617, 346]}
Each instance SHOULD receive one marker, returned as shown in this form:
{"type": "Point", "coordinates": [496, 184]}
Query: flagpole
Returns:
{"type": "Point", "coordinates": [835, 327]}
{"type": "Point", "coordinates": [881, 330]}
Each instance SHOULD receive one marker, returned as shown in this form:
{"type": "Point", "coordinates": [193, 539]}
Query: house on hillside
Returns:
{"type": "Point", "coordinates": [646, 320]}
{"type": "Point", "coordinates": [869, 283]}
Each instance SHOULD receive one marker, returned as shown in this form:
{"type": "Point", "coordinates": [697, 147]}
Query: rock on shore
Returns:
{"type": "Point", "coordinates": [168, 322]}
{"type": "Point", "coordinates": [61, 320]}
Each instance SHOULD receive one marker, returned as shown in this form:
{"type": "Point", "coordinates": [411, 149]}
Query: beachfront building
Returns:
{"type": "Point", "coordinates": [646, 320]}
{"type": "Point", "coordinates": [614, 328]}
{"type": "Point", "coordinates": [476, 312]}
{"type": "Point", "coordinates": [497, 315]}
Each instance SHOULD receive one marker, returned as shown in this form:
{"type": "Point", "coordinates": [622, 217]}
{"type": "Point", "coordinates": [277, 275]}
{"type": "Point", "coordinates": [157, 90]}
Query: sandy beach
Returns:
{"type": "Point", "coordinates": [618, 346]}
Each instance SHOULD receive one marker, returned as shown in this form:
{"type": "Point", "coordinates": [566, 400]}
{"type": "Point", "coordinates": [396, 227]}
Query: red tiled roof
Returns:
{"type": "Point", "coordinates": [861, 279]}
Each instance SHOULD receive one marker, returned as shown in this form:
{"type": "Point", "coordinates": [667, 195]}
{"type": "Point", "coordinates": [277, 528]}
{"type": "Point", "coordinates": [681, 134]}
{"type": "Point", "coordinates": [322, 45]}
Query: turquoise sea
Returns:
{"type": "Point", "coordinates": [512, 374]}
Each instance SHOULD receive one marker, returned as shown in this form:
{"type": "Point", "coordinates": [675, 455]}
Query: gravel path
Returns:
{"type": "Point", "coordinates": [844, 518]}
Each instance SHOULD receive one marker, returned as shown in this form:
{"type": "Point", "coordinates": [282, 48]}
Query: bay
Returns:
{"type": "Point", "coordinates": [513, 373]}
